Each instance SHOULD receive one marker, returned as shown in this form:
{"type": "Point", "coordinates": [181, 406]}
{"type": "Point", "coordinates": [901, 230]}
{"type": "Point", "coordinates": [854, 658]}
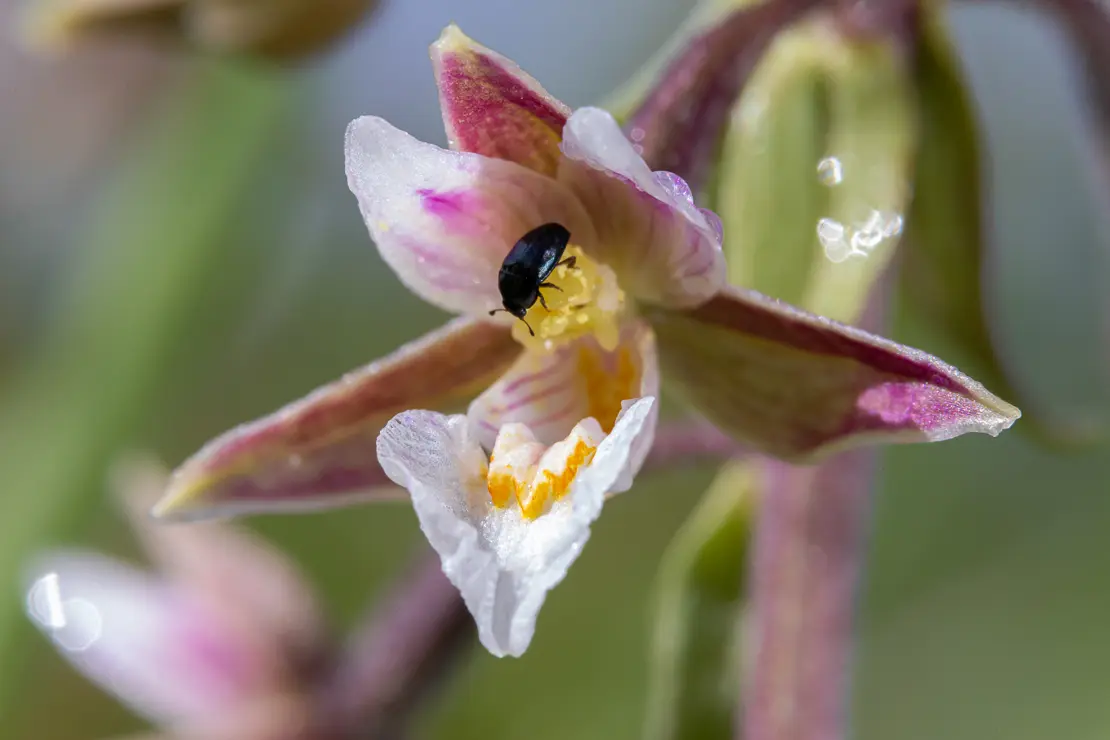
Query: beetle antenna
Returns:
{"type": "Point", "coordinates": [491, 313]}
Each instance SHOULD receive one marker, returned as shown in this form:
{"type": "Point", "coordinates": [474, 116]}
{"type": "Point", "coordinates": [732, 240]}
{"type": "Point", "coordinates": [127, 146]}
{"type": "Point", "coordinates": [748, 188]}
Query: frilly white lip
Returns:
{"type": "Point", "coordinates": [502, 562]}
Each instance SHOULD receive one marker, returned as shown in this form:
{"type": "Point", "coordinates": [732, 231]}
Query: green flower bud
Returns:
{"type": "Point", "coordinates": [275, 29]}
{"type": "Point", "coordinates": [814, 177]}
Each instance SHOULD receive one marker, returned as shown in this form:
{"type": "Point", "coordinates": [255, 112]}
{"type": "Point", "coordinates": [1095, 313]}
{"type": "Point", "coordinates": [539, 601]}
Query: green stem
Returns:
{"type": "Point", "coordinates": [696, 668]}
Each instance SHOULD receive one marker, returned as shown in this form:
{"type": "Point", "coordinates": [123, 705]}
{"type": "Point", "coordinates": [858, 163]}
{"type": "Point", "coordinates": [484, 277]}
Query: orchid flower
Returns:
{"type": "Point", "coordinates": [211, 646]}
{"type": "Point", "coordinates": [507, 491]}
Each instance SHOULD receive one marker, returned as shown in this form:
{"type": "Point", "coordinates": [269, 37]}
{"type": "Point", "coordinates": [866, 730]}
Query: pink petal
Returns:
{"type": "Point", "coordinates": [491, 107]}
{"type": "Point", "coordinates": [320, 451]}
{"type": "Point", "coordinates": [251, 587]}
{"type": "Point", "coordinates": [158, 651]}
{"type": "Point", "coordinates": [796, 385]}
{"type": "Point", "coordinates": [665, 249]}
{"type": "Point", "coordinates": [550, 392]}
{"type": "Point", "coordinates": [445, 220]}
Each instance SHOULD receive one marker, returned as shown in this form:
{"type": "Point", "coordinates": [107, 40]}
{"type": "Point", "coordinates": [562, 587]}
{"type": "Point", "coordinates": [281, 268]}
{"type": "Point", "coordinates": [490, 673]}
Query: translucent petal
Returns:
{"type": "Point", "coordinates": [664, 248]}
{"type": "Point", "coordinates": [503, 564]}
{"type": "Point", "coordinates": [445, 220]}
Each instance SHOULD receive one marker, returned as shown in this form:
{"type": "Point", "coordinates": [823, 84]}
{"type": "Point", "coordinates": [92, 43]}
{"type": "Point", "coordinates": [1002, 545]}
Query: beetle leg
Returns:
{"type": "Point", "coordinates": [551, 285]}
{"type": "Point", "coordinates": [543, 302]}
{"type": "Point", "coordinates": [570, 262]}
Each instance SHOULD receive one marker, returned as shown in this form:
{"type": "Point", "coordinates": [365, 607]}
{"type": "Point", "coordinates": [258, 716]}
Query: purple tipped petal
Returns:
{"type": "Point", "coordinates": [798, 385]}
{"type": "Point", "coordinates": [491, 107]}
{"type": "Point", "coordinates": [664, 248]}
{"type": "Point", "coordinates": [320, 451]}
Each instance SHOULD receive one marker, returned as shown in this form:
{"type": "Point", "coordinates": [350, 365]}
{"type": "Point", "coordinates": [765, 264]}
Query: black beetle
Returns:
{"type": "Point", "coordinates": [528, 265]}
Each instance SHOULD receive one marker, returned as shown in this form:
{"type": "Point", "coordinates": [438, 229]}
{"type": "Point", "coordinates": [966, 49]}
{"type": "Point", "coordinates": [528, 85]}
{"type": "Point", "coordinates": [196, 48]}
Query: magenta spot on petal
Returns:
{"type": "Point", "coordinates": [444, 205]}
{"type": "Point", "coordinates": [907, 405]}
{"type": "Point", "coordinates": [460, 212]}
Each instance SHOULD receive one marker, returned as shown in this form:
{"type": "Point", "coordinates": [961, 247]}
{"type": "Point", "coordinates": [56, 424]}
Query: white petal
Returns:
{"type": "Point", "coordinates": [139, 639]}
{"type": "Point", "coordinates": [503, 564]}
{"type": "Point", "coordinates": [664, 249]}
{"type": "Point", "coordinates": [445, 220]}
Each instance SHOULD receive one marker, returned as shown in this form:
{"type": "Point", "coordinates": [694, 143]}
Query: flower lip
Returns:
{"type": "Point", "coordinates": [503, 562]}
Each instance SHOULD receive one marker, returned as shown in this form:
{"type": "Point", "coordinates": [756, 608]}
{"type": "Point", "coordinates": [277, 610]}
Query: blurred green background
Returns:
{"type": "Point", "coordinates": [179, 253]}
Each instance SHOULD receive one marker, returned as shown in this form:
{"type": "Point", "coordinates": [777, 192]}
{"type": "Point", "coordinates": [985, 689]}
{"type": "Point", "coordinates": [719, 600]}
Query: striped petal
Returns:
{"type": "Point", "coordinates": [798, 386]}
{"type": "Point", "coordinates": [319, 452]}
{"type": "Point", "coordinates": [492, 107]}
{"type": "Point", "coordinates": [664, 248]}
{"type": "Point", "coordinates": [160, 652]}
{"type": "Point", "coordinates": [550, 392]}
{"type": "Point", "coordinates": [445, 220]}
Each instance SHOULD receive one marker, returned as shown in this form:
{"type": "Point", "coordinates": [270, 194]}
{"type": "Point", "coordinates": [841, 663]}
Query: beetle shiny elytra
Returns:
{"type": "Point", "coordinates": [528, 265]}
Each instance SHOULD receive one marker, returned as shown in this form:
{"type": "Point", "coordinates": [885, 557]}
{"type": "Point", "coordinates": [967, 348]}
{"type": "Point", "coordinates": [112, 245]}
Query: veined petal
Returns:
{"type": "Point", "coordinates": [319, 451]}
{"type": "Point", "coordinates": [492, 107]}
{"type": "Point", "coordinates": [550, 392]}
{"type": "Point", "coordinates": [161, 653]}
{"type": "Point", "coordinates": [664, 248]}
{"type": "Point", "coordinates": [501, 562]}
{"type": "Point", "coordinates": [445, 220]}
{"type": "Point", "coordinates": [798, 385]}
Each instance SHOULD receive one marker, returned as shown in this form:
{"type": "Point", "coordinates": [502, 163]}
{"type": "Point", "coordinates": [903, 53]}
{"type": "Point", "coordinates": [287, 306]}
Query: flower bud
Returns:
{"type": "Point", "coordinates": [274, 29]}
{"type": "Point", "coordinates": [814, 178]}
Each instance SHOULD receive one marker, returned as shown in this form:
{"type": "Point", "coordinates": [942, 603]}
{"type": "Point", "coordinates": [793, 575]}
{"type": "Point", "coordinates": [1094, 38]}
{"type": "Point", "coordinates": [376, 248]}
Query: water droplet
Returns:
{"type": "Point", "coordinates": [715, 224]}
{"type": "Point", "coordinates": [74, 624]}
{"type": "Point", "coordinates": [637, 134]}
{"type": "Point", "coordinates": [674, 185]}
{"type": "Point", "coordinates": [83, 628]}
{"type": "Point", "coordinates": [830, 172]}
{"type": "Point", "coordinates": [830, 233]}
{"type": "Point", "coordinates": [893, 225]}
{"type": "Point", "coordinates": [869, 234]}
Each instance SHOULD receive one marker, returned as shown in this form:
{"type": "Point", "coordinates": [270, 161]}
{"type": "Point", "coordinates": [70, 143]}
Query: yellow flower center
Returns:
{"type": "Point", "coordinates": [521, 470]}
{"type": "Point", "coordinates": [585, 300]}
{"type": "Point", "coordinates": [609, 380]}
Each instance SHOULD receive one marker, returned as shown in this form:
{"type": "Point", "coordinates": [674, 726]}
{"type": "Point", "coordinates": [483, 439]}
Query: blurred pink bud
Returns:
{"type": "Point", "coordinates": [217, 642]}
{"type": "Point", "coordinates": [277, 29]}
